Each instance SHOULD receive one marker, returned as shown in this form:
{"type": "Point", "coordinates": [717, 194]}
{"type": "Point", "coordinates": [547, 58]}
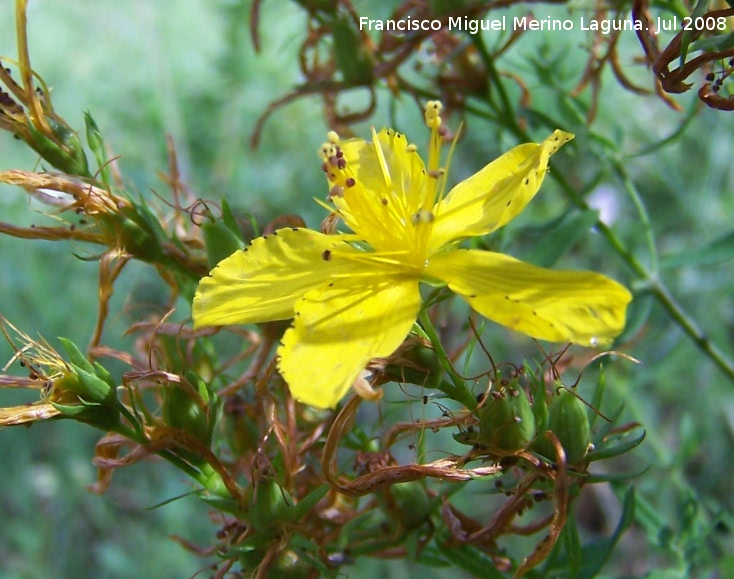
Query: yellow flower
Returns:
{"type": "Point", "coordinates": [354, 297]}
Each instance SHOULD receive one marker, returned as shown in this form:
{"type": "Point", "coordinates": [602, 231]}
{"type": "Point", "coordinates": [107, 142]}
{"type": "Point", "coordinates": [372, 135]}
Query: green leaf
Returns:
{"type": "Point", "coordinates": [572, 545]}
{"type": "Point", "coordinates": [573, 227]}
{"type": "Point", "coordinates": [594, 555]}
{"type": "Point", "coordinates": [700, 10]}
{"type": "Point", "coordinates": [611, 449]}
{"type": "Point", "coordinates": [617, 477]}
{"type": "Point", "coordinates": [716, 252]}
{"type": "Point", "coordinates": [473, 561]}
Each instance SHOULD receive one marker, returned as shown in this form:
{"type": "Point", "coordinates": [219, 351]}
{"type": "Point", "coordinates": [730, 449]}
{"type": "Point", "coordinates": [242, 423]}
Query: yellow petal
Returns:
{"type": "Point", "coordinates": [496, 194]}
{"type": "Point", "coordinates": [262, 282]}
{"type": "Point", "coordinates": [559, 306]}
{"type": "Point", "coordinates": [339, 329]}
{"type": "Point", "coordinates": [388, 186]}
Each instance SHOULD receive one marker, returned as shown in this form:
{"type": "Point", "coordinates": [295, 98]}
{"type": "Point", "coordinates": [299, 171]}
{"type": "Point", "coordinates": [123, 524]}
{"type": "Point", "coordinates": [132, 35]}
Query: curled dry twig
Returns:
{"type": "Point", "coordinates": [445, 469]}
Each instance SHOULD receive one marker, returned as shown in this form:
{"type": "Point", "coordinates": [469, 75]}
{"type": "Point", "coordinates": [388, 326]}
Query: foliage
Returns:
{"type": "Point", "coordinates": [477, 427]}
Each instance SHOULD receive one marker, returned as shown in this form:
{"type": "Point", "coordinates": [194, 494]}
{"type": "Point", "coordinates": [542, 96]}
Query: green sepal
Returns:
{"type": "Point", "coordinates": [75, 410]}
{"type": "Point", "coordinates": [76, 356]}
{"type": "Point", "coordinates": [103, 373]}
{"type": "Point", "coordinates": [97, 145]}
{"type": "Point", "coordinates": [94, 414]}
{"type": "Point", "coordinates": [222, 237]}
{"type": "Point", "coordinates": [92, 387]}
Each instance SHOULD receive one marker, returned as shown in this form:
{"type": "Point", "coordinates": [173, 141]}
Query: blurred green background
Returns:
{"type": "Point", "coordinates": [188, 69]}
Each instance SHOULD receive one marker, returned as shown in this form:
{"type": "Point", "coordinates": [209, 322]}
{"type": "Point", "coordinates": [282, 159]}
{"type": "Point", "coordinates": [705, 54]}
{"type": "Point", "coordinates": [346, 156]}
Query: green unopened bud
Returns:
{"type": "Point", "coordinates": [62, 149]}
{"type": "Point", "coordinates": [569, 421]}
{"type": "Point", "coordinates": [138, 235]}
{"type": "Point", "coordinates": [91, 382]}
{"type": "Point", "coordinates": [409, 503]}
{"type": "Point", "coordinates": [189, 409]}
{"type": "Point", "coordinates": [270, 504]}
{"type": "Point", "coordinates": [91, 387]}
{"type": "Point", "coordinates": [416, 363]}
{"type": "Point", "coordinates": [290, 565]}
{"type": "Point", "coordinates": [506, 420]}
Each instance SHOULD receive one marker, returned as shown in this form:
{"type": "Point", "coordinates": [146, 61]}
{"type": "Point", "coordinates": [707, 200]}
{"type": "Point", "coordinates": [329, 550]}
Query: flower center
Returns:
{"type": "Point", "coordinates": [384, 192]}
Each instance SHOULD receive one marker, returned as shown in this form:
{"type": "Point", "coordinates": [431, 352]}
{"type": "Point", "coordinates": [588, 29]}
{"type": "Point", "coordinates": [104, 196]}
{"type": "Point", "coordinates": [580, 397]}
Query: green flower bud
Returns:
{"type": "Point", "coordinates": [62, 149]}
{"type": "Point", "coordinates": [269, 504]}
{"type": "Point", "coordinates": [91, 382]}
{"type": "Point", "coordinates": [409, 503]}
{"type": "Point", "coordinates": [569, 421]}
{"type": "Point", "coordinates": [188, 409]}
{"type": "Point", "coordinates": [290, 565]}
{"type": "Point", "coordinates": [506, 420]}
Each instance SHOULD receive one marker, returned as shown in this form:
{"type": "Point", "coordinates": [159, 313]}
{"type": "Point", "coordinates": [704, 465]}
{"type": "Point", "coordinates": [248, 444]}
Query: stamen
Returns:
{"type": "Point", "coordinates": [433, 114]}
{"type": "Point", "coordinates": [381, 159]}
{"type": "Point", "coordinates": [422, 216]}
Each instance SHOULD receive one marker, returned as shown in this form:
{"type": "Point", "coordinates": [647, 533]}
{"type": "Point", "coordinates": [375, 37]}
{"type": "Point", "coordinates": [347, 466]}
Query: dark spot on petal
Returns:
{"type": "Point", "coordinates": [383, 201]}
{"type": "Point", "coordinates": [294, 228]}
{"type": "Point", "coordinates": [326, 255]}
{"type": "Point", "coordinates": [527, 181]}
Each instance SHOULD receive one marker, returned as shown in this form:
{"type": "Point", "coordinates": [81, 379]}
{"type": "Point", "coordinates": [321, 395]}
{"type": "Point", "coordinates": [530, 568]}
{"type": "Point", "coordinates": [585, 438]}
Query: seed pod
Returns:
{"type": "Point", "coordinates": [569, 421]}
{"type": "Point", "coordinates": [506, 420]}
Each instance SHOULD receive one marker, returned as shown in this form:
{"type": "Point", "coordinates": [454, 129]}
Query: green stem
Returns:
{"type": "Point", "coordinates": [458, 391]}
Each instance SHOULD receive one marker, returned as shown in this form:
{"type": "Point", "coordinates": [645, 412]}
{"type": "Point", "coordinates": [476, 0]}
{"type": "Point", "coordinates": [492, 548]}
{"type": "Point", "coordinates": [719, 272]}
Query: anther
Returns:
{"type": "Point", "coordinates": [350, 182]}
{"type": "Point", "coordinates": [422, 216]}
